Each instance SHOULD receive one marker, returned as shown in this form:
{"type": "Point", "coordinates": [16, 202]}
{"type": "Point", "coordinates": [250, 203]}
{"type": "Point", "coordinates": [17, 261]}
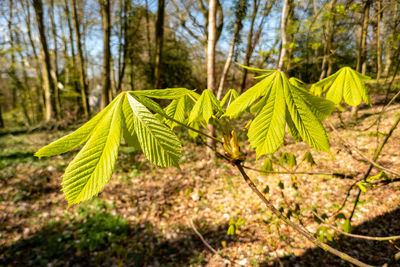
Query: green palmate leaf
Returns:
{"type": "Point", "coordinates": [267, 165]}
{"type": "Point", "coordinates": [256, 108]}
{"type": "Point", "coordinates": [255, 69]}
{"type": "Point", "coordinates": [248, 98]}
{"type": "Point", "coordinates": [204, 107]}
{"type": "Point", "coordinates": [92, 167]}
{"type": "Point", "coordinates": [282, 103]}
{"type": "Point", "coordinates": [309, 158]}
{"type": "Point", "coordinates": [229, 97]}
{"type": "Point", "coordinates": [292, 127]}
{"type": "Point", "coordinates": [297, 82]}
{"type": "Point", "coordinates": [73, 140]}
{"type": "Point", "coordinates": [196, 126]}
{"type": "Point", "coordinates": [291, 160]}
{"type": "Point", "coordinates": [321, 107]}
{"type": "Point", "coordinates": [321, 86]}
{"type": "Point", "coordinates": [168, 93]}
{"type": "Point", "coordinates": [345, 85]}
{"type": "Point", "coordinates": [158, 142]}
{"type": "Point", "coordinates": [130, 139]}
{"type": "Point", "coordinates": [307, 124]}
{"type": "Point", "coordinates": [259, 78]}
{"type": "Point", "coordinates": [267, 131]}
{"type": "Point", "coordinates": [178, 110]}
{"type": "Point", "coordinates": [150, 104]}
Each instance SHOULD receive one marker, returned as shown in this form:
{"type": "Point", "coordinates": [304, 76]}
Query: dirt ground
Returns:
{"type": "Point", "coordinates": [143, 216]}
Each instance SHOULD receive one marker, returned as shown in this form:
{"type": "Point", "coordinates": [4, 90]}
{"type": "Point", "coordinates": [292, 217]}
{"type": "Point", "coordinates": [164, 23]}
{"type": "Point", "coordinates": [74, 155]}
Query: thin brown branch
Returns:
{"type": "Point", "coordinates": [341, 175]}
{"type": "Point", "coordinates": [297, 228]}
{"type": "Point", "coordinates": [372, 162]}
{"type": "Point", "coordinates": [377, 238]}
{"type": "Point", "coordinates": [376, 155]}
{"type": "Point", "coordinates": [208, 245]}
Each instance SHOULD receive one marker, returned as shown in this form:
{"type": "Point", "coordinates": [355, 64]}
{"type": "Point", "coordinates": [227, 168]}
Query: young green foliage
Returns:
{"type": "Point", "coordinates": [179, 109]}
{"type": "Point", "coordinates": [281, 103]}
{"type": "Point", "coordinates": [229, 97]}
{"type": "Point", "coordinates": [93, 166]}
{"type": "Point", "coordinates": [205, 107]}
{"type": "Point", "coordinates": [73, 140]}
{"type": "Point", "coordinates": [344, 85]}
{"type": "Point", "coordinates": [158, 142]}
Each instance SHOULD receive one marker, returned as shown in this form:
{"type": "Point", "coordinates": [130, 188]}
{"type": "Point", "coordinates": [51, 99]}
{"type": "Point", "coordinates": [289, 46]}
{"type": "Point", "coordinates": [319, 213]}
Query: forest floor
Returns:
{"type": "Point", "coordinates": [142, 217]}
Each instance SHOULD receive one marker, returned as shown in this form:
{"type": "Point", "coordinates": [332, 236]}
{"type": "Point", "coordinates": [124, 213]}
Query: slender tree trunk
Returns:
{"type": "Point", "coordinates": [73, 55]}
{"type": "Point", "coordinates": [46, 65]}
{"type": "Point", "coordinates": [25, 98]}
{"type": "Point", "coordinates": [159, 42]}
{"type": "Point", "coordinates": [378, 41]}
{"type": "Point", "coordinates": [149, 52]}
{"type": "Point", "coordinates": [122, 48]}
{"type": "Point", "coordinates": [105, 16]}
{"type": "Point", "coordinates": [285, 11]}
{"type": "Point", "coordinates": [240, 13]}
{"type": "Point", "coordinates": [328, 41]}
{"type": "Point", "coordinates": [1, 119]}
{"type": "Point", "coordinates": [212, 34]}
{"type": "Point", "coordinates": [362, 55]}
{"type": "Point", "coordinates": [39, 87]}
{"type": "Point", "coordinates": [11, 43]}
{"type": "Point", "coordinates": [54, 72]}
{"type": "Point", "coordinates": [290, 36]}
{"type": "Point", "coordinates": [390, 31]}
{"type": "Point", "coordinates": [212, 40]}
{"type": "Point", "coordinates": [113, 87]}
{"type": "Point", "coordinates": [81, 61]}
{"type": "Point", "coordinates": [249, 49]}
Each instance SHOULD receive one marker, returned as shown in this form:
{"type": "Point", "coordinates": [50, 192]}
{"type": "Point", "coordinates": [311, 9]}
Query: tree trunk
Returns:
{"type": "Point", "coordinates": [46, 65]}
{"type": "Point", "coordinates": [378, 41]}
{"type": "Point", "coordinates": [159, 42]}
{"type": "Point", "coordinates": [249, 45]}
{"type": "Point", "coordinates": [1, 119]}
{"type": "Point", "coordinates": [54, 72]}
{"type": "Point", "coordinates": [73, 55]}
{"type": "Point", "coordinates": [290, 38]}
{"type": "Point", "coordinates": [39, 87]}
{"type": "Point", "coordinates": [81, 61]}
{"type": "Point", "coordinates": [362, 54]}
{"type": "Point", "coordinates": [123, 46]}
{"type": "Point", "coordinates": [285, 11]}
{"type": "Point", "coordinates": [149, 52]}
{"type": "Point", "coordinates": [390, 32]}
{"type": "Point", "coordinates": [328, 41]}
{"type": "Point", "coordinates": [240, 13]}
{"type": "Point", "coordinates": [105, 17]}
{"type": "Point", "coordinates": [11, 43]}
{"type": "Point", "coordinates": [212, 39]}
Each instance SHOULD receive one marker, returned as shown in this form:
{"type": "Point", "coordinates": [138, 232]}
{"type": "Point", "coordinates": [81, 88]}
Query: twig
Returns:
{"type": "Point", "coordinates": [377, 121]}
{"type": "Point", "coordinates": [208, 245]}
{"type": "Point", "coordinates": [191, 128]}
{"type": "Point", "coordinates": [372, 162]}
{"type": "Point", "coordinates": [386, 238]}
{"type": "Point", "coordinates": [346, 198]}
{"type": "Point", "coordinates": [341, 175]}
{"type": "Point", "coordinates": [376, 155]}
{"type": "Point", "coordinates": [297, 228]}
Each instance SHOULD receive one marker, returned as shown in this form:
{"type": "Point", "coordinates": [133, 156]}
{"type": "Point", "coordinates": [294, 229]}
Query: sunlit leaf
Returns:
{"type": "Point", "coordinates": [93, 166]}
{"type": "Point", "coordinates": [72, 140]}
{"type": "Point", "coordinates": [159, 144]}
